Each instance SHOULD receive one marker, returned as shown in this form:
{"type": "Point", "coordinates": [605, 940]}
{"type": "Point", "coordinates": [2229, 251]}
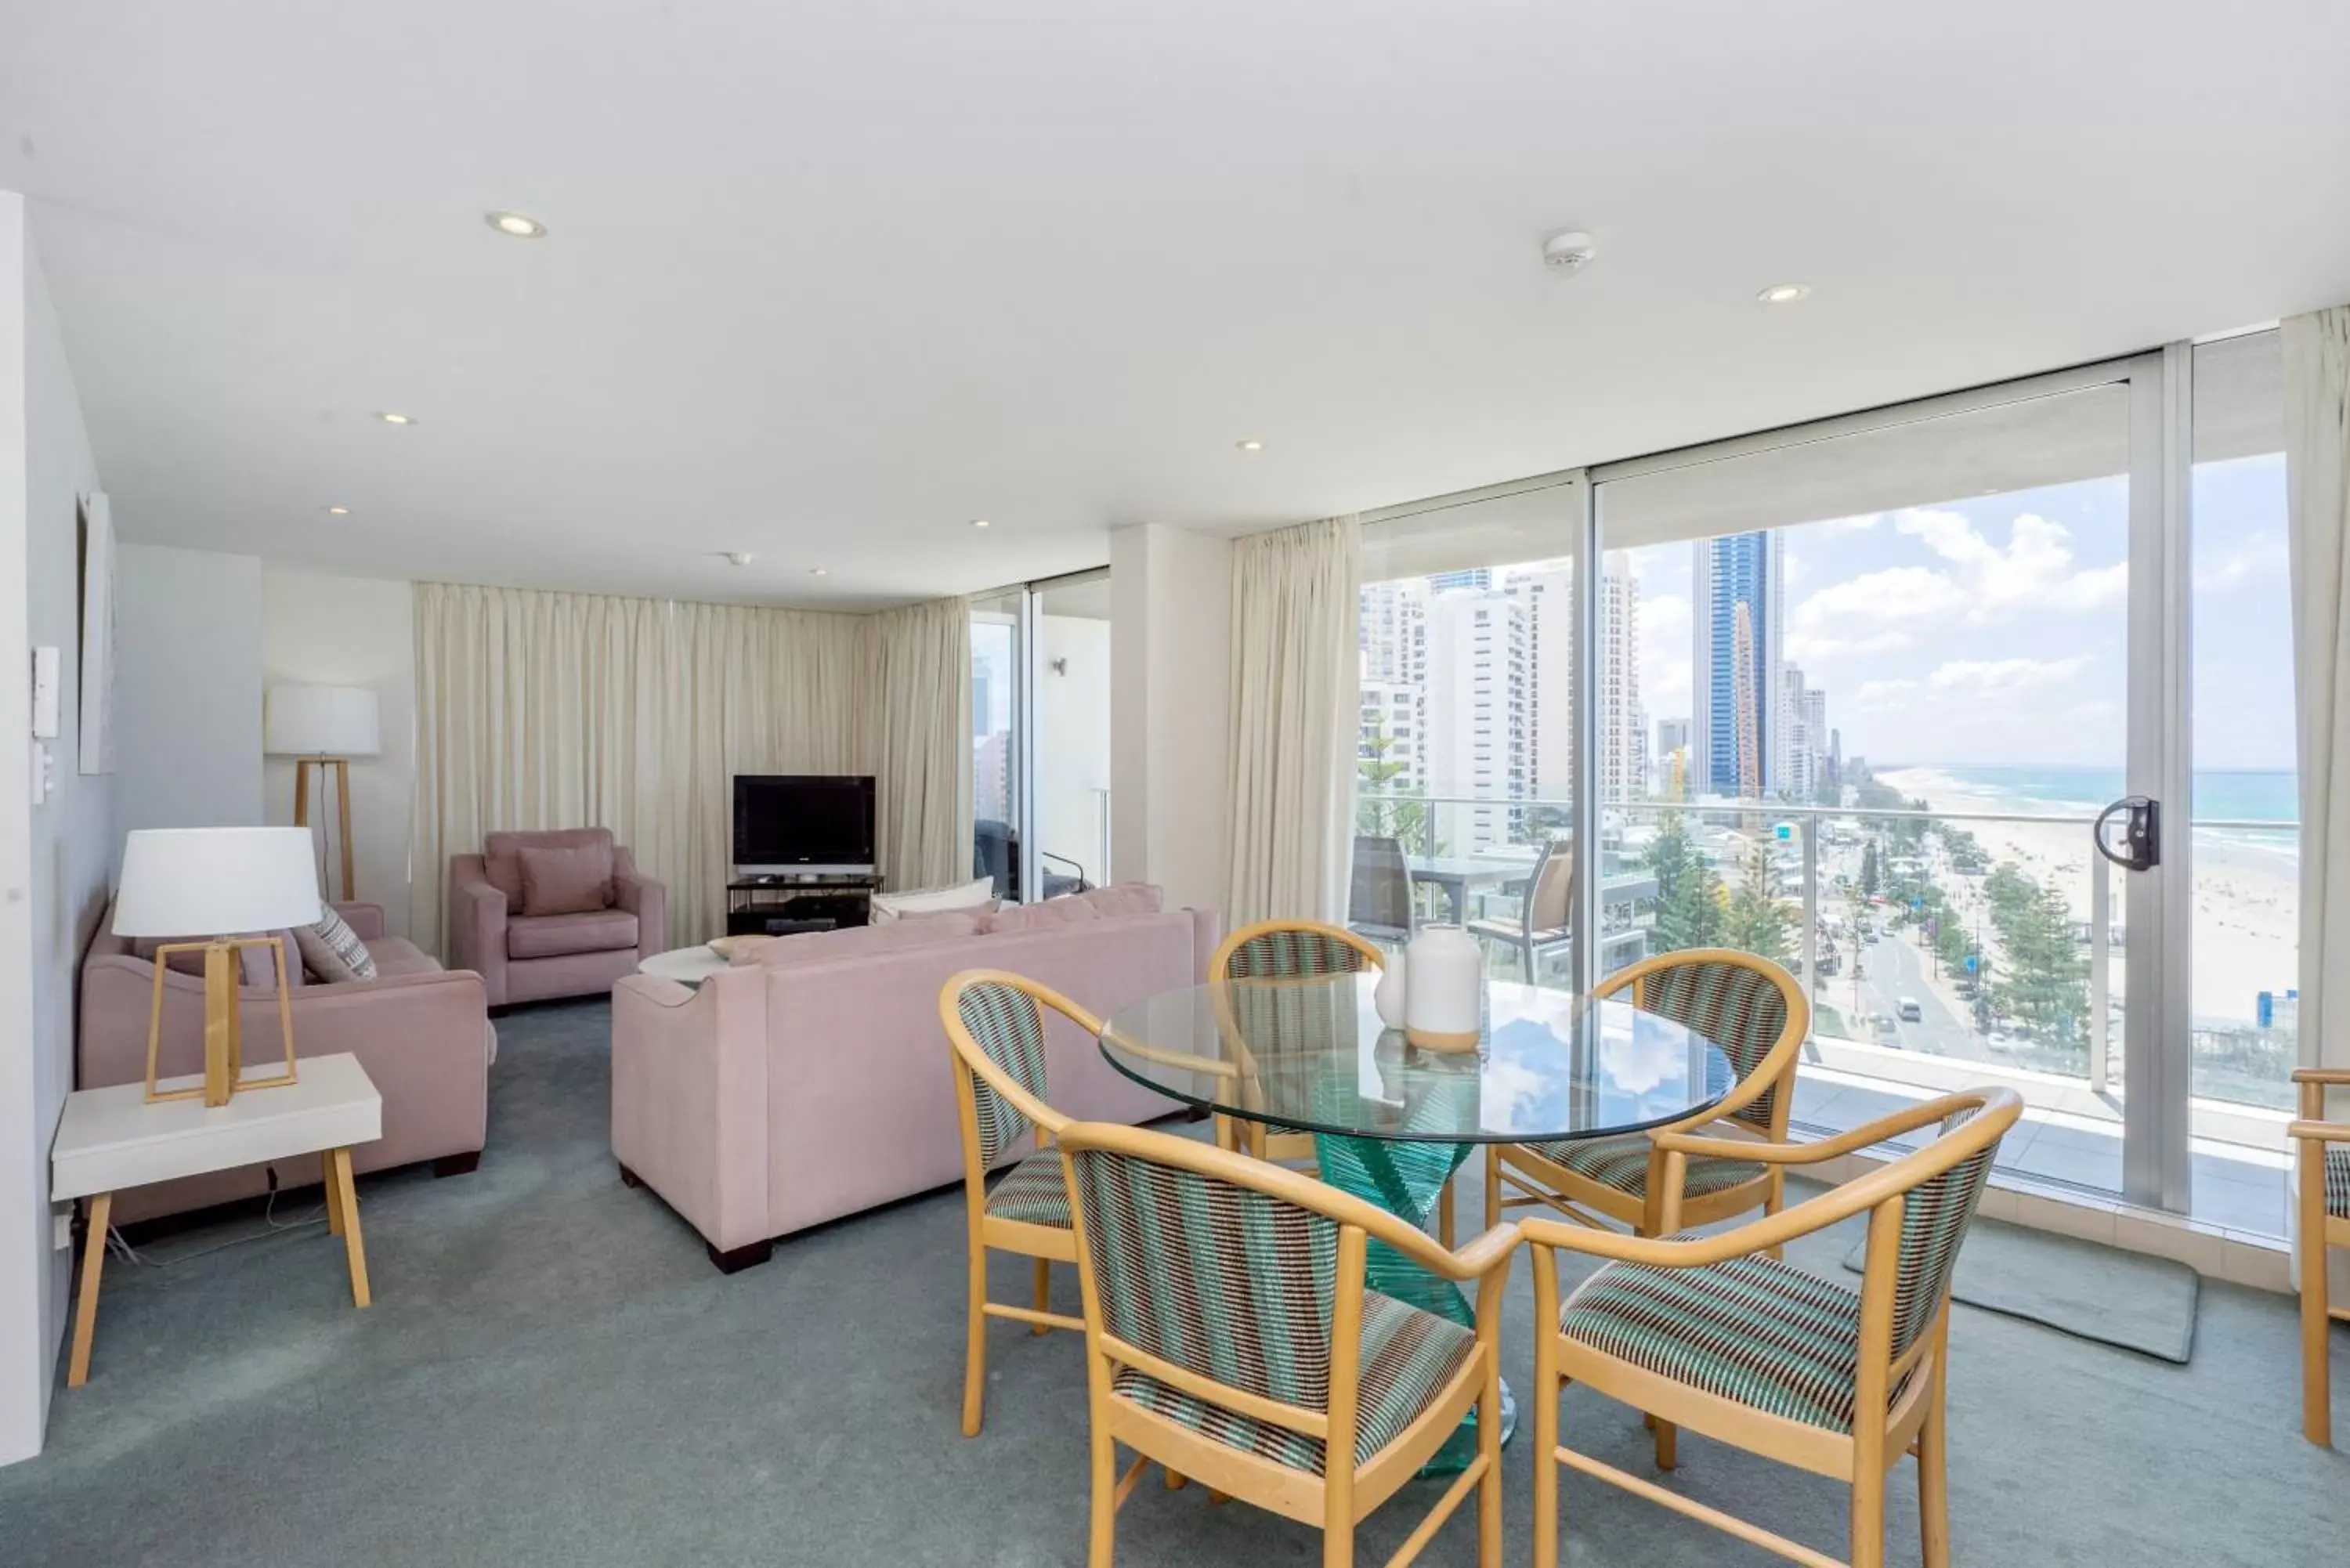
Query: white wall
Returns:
{"type": "Point", "coordinates": [53, 857]}
{"type": "Point", "coordinates": [1171, 716]}
{"type": "Point", "coordinates": [187, 687]}
{"type": "Point", "coordinates": [321, 630]}
{"type": "Point", "coordinates": [1073, 742]}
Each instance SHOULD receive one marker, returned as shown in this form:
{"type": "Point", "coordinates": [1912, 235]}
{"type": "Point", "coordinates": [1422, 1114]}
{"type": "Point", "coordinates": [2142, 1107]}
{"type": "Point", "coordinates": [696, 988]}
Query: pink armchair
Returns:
{"type": "Point", "coordinates": [522, 957]}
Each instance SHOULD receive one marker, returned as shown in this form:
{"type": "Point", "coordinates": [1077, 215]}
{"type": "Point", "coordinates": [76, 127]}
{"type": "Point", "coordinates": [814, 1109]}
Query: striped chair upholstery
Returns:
{"type": "Point", "coordinates": [1934, 1220]}
{"type": "Point", "coordinates": [1752, 1329]}
{"type": "Point", "coordinates": [1033, 1192]}
{"type": "Point", "coordinates": [2338, 1181]}
{"type": "Point", "coordinates": [1742, 1009]}
{"type": "Point", "coordinates": [1289, 953]}
{"type": "Point", "coordinates": [1236, 1286]}
{"type": "Point", "coordinates": [1622, 1164]}
{"type": "Point", "coordinates": [1010, 1027]}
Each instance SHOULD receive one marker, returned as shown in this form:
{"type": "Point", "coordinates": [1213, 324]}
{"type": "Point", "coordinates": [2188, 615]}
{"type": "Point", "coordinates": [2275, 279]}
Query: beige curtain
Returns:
{"type": "Point", "coordinates": [1294, 721]}
{"type": "Point", "coordinates": [917, 701]}
{"type": "Point", "coordinates": [2317, 484]}
{"type": "Point", "coordinates": [545, 710]}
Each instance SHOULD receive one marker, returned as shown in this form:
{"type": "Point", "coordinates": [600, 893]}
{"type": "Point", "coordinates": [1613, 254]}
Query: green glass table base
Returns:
{"type": "Point", "coordinates": [1406, 1178]}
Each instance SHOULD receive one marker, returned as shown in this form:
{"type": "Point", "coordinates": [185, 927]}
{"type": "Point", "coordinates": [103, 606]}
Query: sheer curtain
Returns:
{"type": "Point", "coordinates": [1295, 714]}
{"type": "Point", "coordinates": [2317, 468]}
{"type": "Point", "coordinates": [546, 709]}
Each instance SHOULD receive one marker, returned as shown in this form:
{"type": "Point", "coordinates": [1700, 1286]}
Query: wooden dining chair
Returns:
{"type": "Point", "coordinates": [1715, 1335]}
{"type": "Point", "coordinates": [995, 1023]}
{"type": "Point", "coordinates": [1231, 1337]}
{"type": "Point", "coordinates": [1757, 1013]}
{"type": "Point", "coordinates": [1285, 950]}
{"type": "Point", "coordinates": [2322, 1153]}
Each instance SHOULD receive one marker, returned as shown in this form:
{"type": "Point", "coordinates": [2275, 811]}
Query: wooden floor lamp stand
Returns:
{"type": "Point", "coordinates": [342, 767]}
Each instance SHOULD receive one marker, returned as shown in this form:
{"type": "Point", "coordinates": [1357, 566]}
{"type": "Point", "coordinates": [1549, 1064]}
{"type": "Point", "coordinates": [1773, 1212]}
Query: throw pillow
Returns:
{"type": "Point", "coordinates": [856, 942]}
{"type": "Point", "coordinates": [963, 899]}
{"type": "Point", "coordinates": [332, 951]}
{"type": "Point", "coordinates": [1124, 898]}
{"type": "Point", "coordinates": [1061, 911]}
{"type": "Point", "coordinates": [572, 881]}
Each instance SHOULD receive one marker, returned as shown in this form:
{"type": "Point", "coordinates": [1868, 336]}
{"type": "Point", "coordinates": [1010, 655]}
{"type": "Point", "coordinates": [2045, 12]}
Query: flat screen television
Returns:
{"type": "Point", "coordinates": [803, 822]}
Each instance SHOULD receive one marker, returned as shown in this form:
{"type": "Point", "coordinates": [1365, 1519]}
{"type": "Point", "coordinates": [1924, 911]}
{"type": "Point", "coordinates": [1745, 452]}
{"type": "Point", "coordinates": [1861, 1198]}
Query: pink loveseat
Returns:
{"type": "Point", "coordinates": [421, 1032]}
{"type": "Point", "coordinates": [522, 957]}
{"type": "Point", "coordinates": [810, 1080]}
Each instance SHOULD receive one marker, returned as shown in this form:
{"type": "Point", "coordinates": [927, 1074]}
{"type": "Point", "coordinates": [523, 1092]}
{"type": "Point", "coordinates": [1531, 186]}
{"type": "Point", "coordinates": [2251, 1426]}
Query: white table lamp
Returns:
{"type": "Point", "coordinates": [323, 727]}
{"type": "Point", "coordinates": [214, 882]}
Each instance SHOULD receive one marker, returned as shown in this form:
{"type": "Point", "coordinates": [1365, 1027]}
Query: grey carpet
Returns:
{"type": "Point", "coordinates": [553, 1374]}
{"type": "Point", "coordinates": [2080, 1288]}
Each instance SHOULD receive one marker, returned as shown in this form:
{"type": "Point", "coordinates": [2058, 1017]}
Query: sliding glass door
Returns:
{"type": "Point", "coordinates": [1040, 657]}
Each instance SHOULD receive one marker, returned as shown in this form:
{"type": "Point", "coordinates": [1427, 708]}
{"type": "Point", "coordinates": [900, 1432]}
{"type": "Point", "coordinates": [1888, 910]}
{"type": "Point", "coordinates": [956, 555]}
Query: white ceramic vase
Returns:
{"type": "Point", "coordinates": [1387, 996]}
{"type": "Point", "coordinates": [1444, 1004]}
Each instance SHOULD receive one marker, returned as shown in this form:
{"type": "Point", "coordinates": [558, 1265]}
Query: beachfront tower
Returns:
{"type": "Point", "coordinates": [1746, 570]}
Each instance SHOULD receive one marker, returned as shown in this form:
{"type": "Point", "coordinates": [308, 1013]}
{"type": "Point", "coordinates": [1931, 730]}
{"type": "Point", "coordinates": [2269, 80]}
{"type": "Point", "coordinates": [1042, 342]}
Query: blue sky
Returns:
{"type": "Point", "coordinates": [1992, 631]}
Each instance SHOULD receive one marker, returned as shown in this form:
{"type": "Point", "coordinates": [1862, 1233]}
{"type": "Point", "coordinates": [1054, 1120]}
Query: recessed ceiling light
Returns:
{"type": "Point", "coordinates": [514, 225]}
{"type": "Point", "coordinates": [339, 511]}
{"type": "Point", "coordinates": [392, 419]}
{"type": "Point", "coordinates": [1784, 293]}
{"type": "Point", "coordinates": [1250, 444]}
{"type": "Point", "coordinates": [979, 522]}
{"type": "Point", "coordinates": [818, 572]}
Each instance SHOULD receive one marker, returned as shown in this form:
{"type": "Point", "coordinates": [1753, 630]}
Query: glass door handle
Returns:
{"type": "Point", "coordinates": [2140, 848]}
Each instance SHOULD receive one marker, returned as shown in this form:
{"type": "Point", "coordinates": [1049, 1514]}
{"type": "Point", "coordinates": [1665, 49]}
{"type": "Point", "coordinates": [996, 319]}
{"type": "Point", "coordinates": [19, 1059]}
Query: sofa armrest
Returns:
{"type": "Point", "coordinates": [365, 920]}
{"type": "Point", "coordinates": [646, 898]}
{"type": "Point", "coordinates": [689, 1099]}
{"type": "Point", "coordinates": [476, 937]}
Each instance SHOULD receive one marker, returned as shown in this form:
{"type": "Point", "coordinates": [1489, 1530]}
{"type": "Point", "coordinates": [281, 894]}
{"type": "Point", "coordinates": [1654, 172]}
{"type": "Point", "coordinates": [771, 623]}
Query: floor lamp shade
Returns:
{"type": "Point", "coordinates": [213, 882]}
{"type": "Point", "coordinates": [321, 721]}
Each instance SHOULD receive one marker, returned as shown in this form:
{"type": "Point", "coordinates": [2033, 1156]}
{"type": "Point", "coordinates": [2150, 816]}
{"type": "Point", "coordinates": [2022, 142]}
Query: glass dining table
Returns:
{"type": "Point", "coordinates": [1393, 1122]}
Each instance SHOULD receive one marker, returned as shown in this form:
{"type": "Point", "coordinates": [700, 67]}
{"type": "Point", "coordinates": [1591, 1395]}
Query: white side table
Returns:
{"type": "Point", "coordinates": [687, 966]}
{"type": "Point", "coordinates": [111, 1138]}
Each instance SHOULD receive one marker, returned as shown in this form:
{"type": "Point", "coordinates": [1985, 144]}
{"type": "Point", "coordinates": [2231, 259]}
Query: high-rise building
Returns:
{"type": "Point", "coordinates": [1392, 629]}
{"type": "Point", "coordinates": [1735, 572]}
{"type": "Point", "coordinates": [1545, 595]}
{"type": "Point", "coordinates": [1672, 745]}
{"type": "Point", "coordinates": [1798, 758]}
{"type": "Point", "coordinates": [1623, 737]}
{"type": "Point", "coordinates": [1391, 738]}
{"type": "Point", "coordinates": [1477, 579]}
{"type": "Point", "coordinates": [1476, 716]}
{"type": "Point", "coordinates": [1815, 735]}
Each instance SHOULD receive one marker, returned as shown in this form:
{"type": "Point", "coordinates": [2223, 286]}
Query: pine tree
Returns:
{"type": "Point", "coordinates": [1753, 920]}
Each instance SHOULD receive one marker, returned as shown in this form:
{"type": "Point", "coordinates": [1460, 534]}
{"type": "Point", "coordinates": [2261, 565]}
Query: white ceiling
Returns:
{"type": "Point", "coordinates": [825, 280]}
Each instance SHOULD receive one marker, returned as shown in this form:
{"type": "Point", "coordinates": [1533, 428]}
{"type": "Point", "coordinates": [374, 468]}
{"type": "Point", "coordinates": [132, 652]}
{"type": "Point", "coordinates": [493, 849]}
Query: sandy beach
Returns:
{"type": "Point", "coordinates": [2247, 892]}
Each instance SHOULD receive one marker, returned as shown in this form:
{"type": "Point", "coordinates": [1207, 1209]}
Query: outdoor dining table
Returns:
{"type": "Point", "coordinates": [1458, 875]}
{"type": "Point", "coordinates": [1393, 1122]}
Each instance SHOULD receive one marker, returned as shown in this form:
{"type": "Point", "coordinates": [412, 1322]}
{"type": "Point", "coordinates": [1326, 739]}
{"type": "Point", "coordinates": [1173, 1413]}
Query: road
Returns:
{"type": "Point", "coordinates": [1897, 969]}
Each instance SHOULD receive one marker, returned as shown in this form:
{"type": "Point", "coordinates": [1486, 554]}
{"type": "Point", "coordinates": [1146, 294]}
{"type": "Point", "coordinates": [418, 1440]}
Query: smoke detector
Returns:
{"type": "Point", "coordinates": [1569, 251]}
{"type": "Point", "coordinates": [738, 557]}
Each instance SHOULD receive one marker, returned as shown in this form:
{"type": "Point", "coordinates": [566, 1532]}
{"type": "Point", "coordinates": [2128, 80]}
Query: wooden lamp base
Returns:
{"type": "Point", "coordinates": [223, 1028]}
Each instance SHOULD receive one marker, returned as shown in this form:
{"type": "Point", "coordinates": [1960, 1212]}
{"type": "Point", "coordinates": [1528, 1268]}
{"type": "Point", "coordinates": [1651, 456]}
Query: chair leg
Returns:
{"type": "Point", "coordinates": [1101, 1548]}
{"type": "Point", "coordinates": [1545, 1402]}
{"type": "Point", "coordinates": [1489, 1444]}
{"type": "Point", "coordinates": [1492, 1185]}
{"type": "Point", "coordinates": [1044, 1293]}
{"type": "Point", "coordinates": [1668, 1444]}
{"type": "Point", "coordinates": [1933, 1480]}
{"type": "Point", "coordinates": [1444, 1214]}
{"type": "Point", "coordinates": [1338, 1545]}
{"type": "Point", "coordinates": [1868, 1517]}
{"type": "Point", "coordinates": [974, 1371]}
{"type": "Point", "coordinates": [2316, 1373]}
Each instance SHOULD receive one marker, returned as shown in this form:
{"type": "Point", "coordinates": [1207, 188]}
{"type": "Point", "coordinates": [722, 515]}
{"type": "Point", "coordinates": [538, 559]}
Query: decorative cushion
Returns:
{"type": "Point", "coordinates": [1753, 1330]}
{"type": "Point", "coordinates": [502, 859]}
{"type": "Point", "coordinates": [2338, 1181]}
{"type": "Point", "coordinates": [332, 951]}
{"type": "Point", "coordinates": [848, 941]}
{"type": "Point", "coordinates": [1621, 1164]}
{"type": "Point", "coordinates": [556, 936]}
{"type": "Point", "coordinates": [570, 879]}
{"type": "Point", "coordinates": [1409, 1356]}
{"type": "Point", "coordinates": [1124, 898]}
{"type": "Point", "coordinates": [965, 896]}
{"type": "Point", "coordinates": [1032, 1191]}
{"type": "Point", "coordinates": [1016, 919]}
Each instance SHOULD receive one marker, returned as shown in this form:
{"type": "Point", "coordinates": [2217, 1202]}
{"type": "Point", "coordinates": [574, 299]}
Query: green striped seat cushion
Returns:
{"type": "Point", "coordinates": [1289, 952]}
{"type": "Point", "coordinates": [2338, 1181]}
{"type": "Point", "coordinates": [1409, 1356]}
{"type": "Point", "coordinates": [1622, 1164]}
{"type": "Point", "coordinates": [1033, 1192]}
{"type": "Point", "coordinates": [1753, 1330]}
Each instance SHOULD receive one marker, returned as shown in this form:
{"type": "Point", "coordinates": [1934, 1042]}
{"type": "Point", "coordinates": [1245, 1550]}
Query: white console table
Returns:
{"type": "Point", "coordinates": [111, 1138]}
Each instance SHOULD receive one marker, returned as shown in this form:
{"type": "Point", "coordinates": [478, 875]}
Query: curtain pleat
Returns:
{"type": "Point", "coordinates": [548, 710]}
{"type": "Point", "coordinates": [1294, 717]}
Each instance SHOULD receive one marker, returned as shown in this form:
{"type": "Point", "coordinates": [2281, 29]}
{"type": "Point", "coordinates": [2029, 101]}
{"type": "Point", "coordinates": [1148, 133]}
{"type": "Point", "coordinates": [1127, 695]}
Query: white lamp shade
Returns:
{"type": "Point", "coordinates": [321, 721]}
{"type": "Point", "coordinates": [213, 882]}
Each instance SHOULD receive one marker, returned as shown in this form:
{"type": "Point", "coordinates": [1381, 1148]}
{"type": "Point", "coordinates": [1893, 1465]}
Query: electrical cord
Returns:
{"type": "Point", "coordinates": [118, 1246]}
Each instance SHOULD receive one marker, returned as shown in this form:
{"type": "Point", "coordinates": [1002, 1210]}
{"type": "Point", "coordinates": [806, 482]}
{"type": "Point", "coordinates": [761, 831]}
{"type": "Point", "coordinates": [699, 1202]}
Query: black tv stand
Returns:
{"type": "Point", "coordinates": [784, 903]}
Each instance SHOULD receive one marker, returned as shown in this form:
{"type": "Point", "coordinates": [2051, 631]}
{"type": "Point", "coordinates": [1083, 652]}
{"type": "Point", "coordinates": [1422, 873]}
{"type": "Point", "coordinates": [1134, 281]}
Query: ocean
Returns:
{"type": "Point", "coordinates": [2226, 795]}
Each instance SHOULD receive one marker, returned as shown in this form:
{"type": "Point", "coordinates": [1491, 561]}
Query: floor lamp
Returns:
{"type": "Point", "coordinates": [323, 727]}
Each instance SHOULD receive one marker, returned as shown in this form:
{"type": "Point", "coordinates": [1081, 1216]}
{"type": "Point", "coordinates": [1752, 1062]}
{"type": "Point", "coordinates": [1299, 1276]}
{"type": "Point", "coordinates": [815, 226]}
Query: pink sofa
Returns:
{"type": "Point", "coordinates": [535, 958]}
{"type": "Point", "coordinates": [421, 1032]}
{"type": "Point", "coordinates": [810, 1080]}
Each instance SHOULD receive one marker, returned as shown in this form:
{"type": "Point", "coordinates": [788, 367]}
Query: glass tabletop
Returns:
{"type": "Point", "coordinates": [1311, 1055]}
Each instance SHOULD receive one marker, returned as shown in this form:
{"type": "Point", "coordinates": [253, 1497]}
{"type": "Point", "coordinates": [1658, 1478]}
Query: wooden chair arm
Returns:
{"type": "Point", "coordinates": [1485, 1254]}
{"type": "Point", "coordinates": [1860, 1137]}
{"type": "Point", "coordinates": [2336, 1076]}
{"type": "Point", "coordinates": [2319, 1132]}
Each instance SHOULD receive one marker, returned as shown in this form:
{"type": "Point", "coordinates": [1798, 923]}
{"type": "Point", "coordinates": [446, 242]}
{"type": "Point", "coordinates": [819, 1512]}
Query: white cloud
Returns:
{"type": "Point", "coordinates": [2035, 571]}
{"type": "Point", "coordinates": [1665, 655]}
{"type": "Point", "coordinates": [1875, 612]}
{"type": "Point", "coordinates": [2262, 558]}
{"type": "Point", "coordinates": [1987, 679]}
{"type": "Point", "coordinates": [1883, 696]}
